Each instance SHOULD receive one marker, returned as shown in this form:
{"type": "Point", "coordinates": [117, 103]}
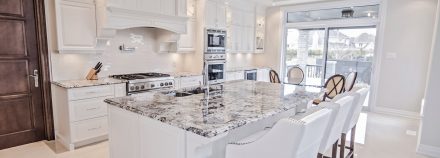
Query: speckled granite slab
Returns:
{"type": "Point", "coordinates": [184, 74]}
{"type": "Point", "coordinates": [87, 83]}
{"type": "Point", "coordinates": [240, 103]}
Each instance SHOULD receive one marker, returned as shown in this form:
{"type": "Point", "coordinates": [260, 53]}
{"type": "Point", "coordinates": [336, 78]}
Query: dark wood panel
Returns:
{"type": "Point", "coordinates": [14, 77]}
{"type": "Point", "coordinates": [16, 116]}
{"type": "Point", "coordinates": [14, 7]}
{"type": "Point", "coordinates": [12, 38]}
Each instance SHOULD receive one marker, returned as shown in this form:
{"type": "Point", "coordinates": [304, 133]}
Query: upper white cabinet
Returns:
{"type": "Point", "coordinates": [215, 14]}
{"type": "Point", "coordinates": [76, 25]}
{"type": "Point", "coordinates": [85, 26]}
{"type": "Point", "coordinates": [241, 27]}
{"type": "Point", "coordinates": [187, 41]}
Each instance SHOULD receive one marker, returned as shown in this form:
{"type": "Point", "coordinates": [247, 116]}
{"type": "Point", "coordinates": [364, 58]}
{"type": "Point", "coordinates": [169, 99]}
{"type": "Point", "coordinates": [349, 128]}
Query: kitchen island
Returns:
{"type": "Point", "coordinates": [199, 125]}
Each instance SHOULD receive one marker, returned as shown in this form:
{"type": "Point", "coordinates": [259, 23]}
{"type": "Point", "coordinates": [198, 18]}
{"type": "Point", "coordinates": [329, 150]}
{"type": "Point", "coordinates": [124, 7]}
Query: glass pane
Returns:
{"type": "Point", "coordinates": [351, 50]}
{"type": "Point", "coordinates": [370, 11]}
{"type": "Point", "coordinates": [305, 48]}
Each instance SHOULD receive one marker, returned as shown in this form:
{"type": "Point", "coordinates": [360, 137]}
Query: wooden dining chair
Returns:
{"type": "Point", "coordinates": [334, 86]}
{"type": "Point", "coordinates": [274, 78]}
{"type": "Point", "coordinates": [350, 81]}
{"type": "Point", "coordinates": [295, 75]}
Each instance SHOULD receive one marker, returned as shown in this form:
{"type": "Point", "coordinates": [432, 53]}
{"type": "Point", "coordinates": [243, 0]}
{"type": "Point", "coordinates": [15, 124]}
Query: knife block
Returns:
{"type": "Point", "coordinates": [92, 75]}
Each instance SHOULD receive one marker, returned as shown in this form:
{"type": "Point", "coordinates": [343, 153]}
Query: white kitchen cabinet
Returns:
{"type": "Point", "coordinates": [187, 42]}
{"type": "Point", "coordinates": [241, 28]}
{"type": "Point", "coordinates": [81, 113]}
{"type": "Point", "coordinates": [263, 75]}
{"type": "Point", "coordinates": [234, 75]}
{"type": "Point", "coordinates": [188, 81]}
{"type": "Point", "coordinates": [76, 25]}
{"type": "Point", "coordinates": [215, 14]}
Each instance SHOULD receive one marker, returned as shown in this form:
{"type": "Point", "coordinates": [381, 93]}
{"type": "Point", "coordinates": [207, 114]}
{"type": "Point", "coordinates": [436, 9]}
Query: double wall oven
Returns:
{"type": "Point", "coordinates": [215, 56]}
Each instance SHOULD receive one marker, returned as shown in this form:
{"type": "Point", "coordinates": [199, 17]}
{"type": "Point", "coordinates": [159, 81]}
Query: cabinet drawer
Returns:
{"type": "Point", "coordinates": [88, 129]}
{"type": "Point", "coordinates": [91, 92]}
{"type": "Point", "coordinates": [89, 108]}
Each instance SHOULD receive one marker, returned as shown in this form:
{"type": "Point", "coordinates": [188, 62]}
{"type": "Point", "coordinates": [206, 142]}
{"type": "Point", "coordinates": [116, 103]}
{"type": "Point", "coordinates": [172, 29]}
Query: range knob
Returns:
{"type": "Point", "coordinates": [152, 86]}
{"type": "Point", "coordinates": [142, 87]}
{"type": "Point", "coordinates": [137, 87]}
{"type": "Point", "coordinates": [161, 84]}
{"type": "Point", "coordinates": [170, 83]}
{"type": "Point", "coordinates": [166, 83]}
{"type": "Point", "coordinates": [132, 88]}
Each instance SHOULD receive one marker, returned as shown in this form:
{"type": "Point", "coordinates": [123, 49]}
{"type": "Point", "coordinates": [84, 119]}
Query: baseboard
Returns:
{"type": "Point", "coordinates": [429, 150]}
{"type": "Point", "coordinates": [395, 112]}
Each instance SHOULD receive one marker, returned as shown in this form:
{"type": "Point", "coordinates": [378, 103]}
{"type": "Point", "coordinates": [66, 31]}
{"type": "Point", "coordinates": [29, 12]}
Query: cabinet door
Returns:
{"type": "Point", "coordinates": [221, 15]}
{"type": "Point", "coordinates": [76, 26]}
{"type": "Point", "coordinates": [211, 14]}
{"type": "Point", "coordinates": [168, 7]}
{"type": "Point", "coordinates": [187, 41]}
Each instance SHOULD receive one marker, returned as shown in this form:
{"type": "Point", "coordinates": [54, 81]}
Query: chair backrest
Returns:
{"type": "Point", "coordinates": [353, 110]}
{"type": "Point", "coordinates": [350, 80]}
{"type": "Point", "coordinates": [315, 126]}
{"type": "Point", "coordinates": [334, 86]}
{"type": "Point", "coordinates": [287, 135]}
{"type": "Point", "coordinates": [274, 78]}
{"type": "Point", "coordinates": [333, 132]}
{"type": "Point", "coordinates": [362, 93]}
{"type": "Point", "coordinates": [295, 75]}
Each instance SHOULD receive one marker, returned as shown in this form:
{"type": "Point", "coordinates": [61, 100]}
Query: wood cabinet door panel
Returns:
{"type": "Point", "coordinates": [13, 7]}
{"type": "Point", "coordinates": [12, 38]}
{"type": "Point", "coordinates": [14, 78]}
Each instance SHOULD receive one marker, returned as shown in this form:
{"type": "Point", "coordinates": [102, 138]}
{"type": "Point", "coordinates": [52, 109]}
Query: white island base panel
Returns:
{"type": "Point", "coordinates": [136, 136]}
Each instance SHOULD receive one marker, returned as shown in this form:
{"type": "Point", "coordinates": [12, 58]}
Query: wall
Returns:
{"type": "Point", "coordinates": [429, 138]}
{"type": "Point", "coordinates": [272, 46]}
{"type": "Point", "coordinates": [408, 34]}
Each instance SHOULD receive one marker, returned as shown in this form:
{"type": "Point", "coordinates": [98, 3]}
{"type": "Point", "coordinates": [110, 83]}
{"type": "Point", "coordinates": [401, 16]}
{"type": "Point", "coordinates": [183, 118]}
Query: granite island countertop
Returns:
{"type": "Point", "coordinates": [240, 103]}
{"type": "Point", "coordinates": [87, 83]}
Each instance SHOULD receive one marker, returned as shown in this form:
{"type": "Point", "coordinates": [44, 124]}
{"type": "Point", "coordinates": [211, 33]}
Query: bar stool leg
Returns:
{"type": "Point", "coordinates": [335, 150]}
{"type": "Point", "coordinates": [342, 147]}
{"type": "Point", "coordinates": [353, 137]}
{"type": "Point", "coordinates": [320, 155]}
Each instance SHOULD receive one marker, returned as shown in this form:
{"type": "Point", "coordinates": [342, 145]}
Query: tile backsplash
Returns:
{"type": "Point", "coordinates": [143, 59]}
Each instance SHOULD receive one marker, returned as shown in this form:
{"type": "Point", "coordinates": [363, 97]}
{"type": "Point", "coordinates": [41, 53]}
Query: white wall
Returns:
{"type": "Point", "coordinates": [430, 129]}
{"type": "Point", "coordinates": [272, 55]}
{"type": "Point", "coordinates": [408, 34]}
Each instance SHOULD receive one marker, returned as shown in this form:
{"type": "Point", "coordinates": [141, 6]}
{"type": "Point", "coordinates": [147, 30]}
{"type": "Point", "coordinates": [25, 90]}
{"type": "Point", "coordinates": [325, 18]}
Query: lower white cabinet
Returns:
{"type": "Point", "coordinates": [81, 113]}
{"type": "Point", "coordinates": [234, 75]}
{"type": "Point", "coordinates": [263, 75]}
{"type": "Point", "coordinates": [188, 81]}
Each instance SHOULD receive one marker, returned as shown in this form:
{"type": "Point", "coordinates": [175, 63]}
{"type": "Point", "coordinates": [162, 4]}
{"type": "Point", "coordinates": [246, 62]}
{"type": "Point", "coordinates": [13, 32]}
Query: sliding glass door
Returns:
{"type": "Point", "coordinates": [305, 49]}
{"type": "Point", "coordinates": [351, 50]}
{"type": "Point", "coordinates": [323, 52]}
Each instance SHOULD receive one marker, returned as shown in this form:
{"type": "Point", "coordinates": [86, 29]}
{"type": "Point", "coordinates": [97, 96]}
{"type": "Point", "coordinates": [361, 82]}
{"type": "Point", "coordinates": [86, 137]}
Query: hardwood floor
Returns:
{"type": "Point", "coordinates": [378, 136]}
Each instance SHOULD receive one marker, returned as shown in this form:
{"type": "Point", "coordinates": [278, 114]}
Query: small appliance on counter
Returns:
{"type": "Point", "coordinates": [93, 73]}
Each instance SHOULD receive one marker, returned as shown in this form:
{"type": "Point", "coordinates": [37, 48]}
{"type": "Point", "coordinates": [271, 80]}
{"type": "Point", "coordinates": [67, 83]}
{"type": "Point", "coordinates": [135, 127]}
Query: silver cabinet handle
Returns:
{"type": "Point", "coordinates": [35, 76]}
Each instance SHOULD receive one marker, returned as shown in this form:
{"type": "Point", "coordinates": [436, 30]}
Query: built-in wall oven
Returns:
{"type": "Point", "coordinates": [215, 68]}
{"type": "Point", "coordinates": [215, 41]}
{"type": "Point", "coordinates": [250, 75]}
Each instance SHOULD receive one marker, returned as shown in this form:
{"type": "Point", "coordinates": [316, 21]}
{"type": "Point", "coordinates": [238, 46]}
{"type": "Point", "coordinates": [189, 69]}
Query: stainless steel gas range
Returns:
{"type": "Point", "coordinates": [144, 82]}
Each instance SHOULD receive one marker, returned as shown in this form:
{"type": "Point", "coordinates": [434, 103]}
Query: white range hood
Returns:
{"type": "Point", "coordinates": [168, 16]}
